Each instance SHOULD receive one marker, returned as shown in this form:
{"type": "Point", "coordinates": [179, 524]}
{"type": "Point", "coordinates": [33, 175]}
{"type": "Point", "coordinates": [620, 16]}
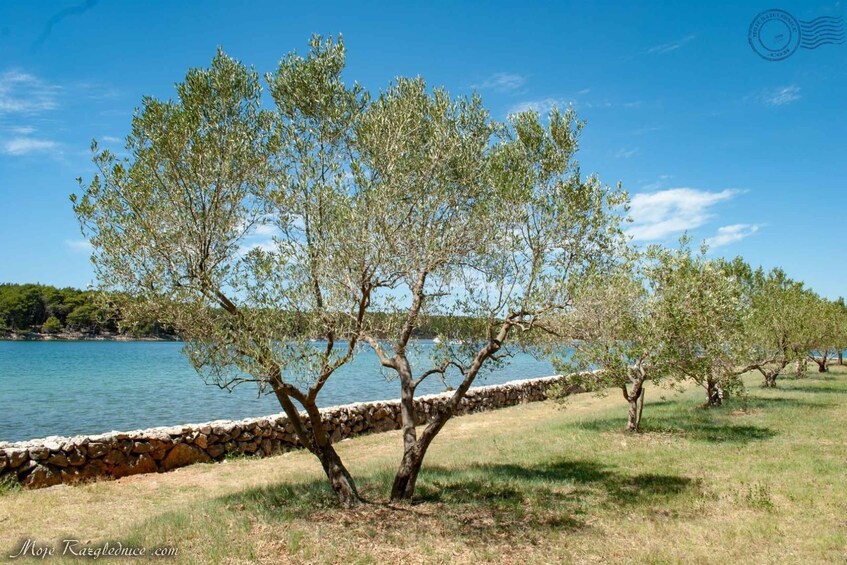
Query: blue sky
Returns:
{"type": "Point", "coordinates": [706, 135]}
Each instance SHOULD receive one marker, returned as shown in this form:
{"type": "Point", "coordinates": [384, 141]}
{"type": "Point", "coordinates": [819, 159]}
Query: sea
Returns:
{"type": "Point", "coordinates": [88, 387]}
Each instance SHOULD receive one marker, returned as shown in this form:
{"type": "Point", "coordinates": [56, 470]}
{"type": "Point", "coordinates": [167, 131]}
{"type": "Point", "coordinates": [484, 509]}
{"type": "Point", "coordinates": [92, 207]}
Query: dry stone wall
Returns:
{"type": "Point", "coordinates": [54, 460]}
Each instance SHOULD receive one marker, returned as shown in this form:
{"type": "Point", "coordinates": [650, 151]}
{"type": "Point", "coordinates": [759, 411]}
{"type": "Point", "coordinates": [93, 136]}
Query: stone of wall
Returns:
{"type": "Point", "coordinates": [54, 460]}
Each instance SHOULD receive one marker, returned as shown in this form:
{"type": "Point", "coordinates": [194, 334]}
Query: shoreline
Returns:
{"type": "Point", "coordinates": [56, 460]}
{"type": "Point", "coordinates": [81, 337]}
{"type": "Point", "coordinates": [179, 428]}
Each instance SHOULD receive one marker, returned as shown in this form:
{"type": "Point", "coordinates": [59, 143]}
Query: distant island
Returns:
{"type": "Point", "coordinates": [43, 312]}
{"type": "Point", "coordinates": [35, 311]}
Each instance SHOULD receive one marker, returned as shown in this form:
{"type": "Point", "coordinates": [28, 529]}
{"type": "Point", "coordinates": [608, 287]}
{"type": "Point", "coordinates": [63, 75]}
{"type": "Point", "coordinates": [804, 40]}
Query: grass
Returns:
{"type": "Point", "coordinates": [765, 482]}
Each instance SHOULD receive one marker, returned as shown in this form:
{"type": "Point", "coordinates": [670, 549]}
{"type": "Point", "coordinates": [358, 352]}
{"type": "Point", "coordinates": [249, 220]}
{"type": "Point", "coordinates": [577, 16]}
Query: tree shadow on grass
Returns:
{"type": "Point", "coordinates": [558, 481]}
{"type": "Point", "coordinates": [706, 428]}
{"type": "Point", "coordinates": [477, 503]}
{"type": "Point", "coordinates": [801, 386]}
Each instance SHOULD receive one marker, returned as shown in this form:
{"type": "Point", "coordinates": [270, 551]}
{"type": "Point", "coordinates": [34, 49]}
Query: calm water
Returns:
{"type": "Point", "coordinates": [68, 388]}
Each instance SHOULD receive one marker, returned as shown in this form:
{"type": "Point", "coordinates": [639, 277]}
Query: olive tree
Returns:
{"type": "Point", "coordinates": [824, 330]}
{"type": "Point", "coordinates": [772, 334]}
{"type": "Point", "coordinates": [617, 337]}
{"type": "Point", "coordinates": [704, 315]}
{"type": "Point", "coordinates": [176, 224]}
{"type": "Point", "coordinates": [489, 229]}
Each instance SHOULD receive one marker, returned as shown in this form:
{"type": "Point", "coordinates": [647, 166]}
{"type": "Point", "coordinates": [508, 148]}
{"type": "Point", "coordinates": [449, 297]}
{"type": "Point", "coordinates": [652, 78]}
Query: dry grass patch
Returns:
{"type": "Point", "coordinates": [758, 482]}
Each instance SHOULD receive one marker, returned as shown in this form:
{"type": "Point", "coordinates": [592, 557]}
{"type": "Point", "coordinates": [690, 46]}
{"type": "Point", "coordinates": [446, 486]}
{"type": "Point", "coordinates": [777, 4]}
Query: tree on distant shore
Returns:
{"type": "Point", "coordinates": [174, 228]}
{"type": "Point", "coordinates": [52, 325]}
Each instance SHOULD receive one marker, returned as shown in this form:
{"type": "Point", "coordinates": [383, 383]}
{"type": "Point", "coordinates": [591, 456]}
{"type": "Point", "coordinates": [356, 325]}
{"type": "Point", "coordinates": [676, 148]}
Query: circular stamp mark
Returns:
{"type": "Point", "coordinates": [774, 35]}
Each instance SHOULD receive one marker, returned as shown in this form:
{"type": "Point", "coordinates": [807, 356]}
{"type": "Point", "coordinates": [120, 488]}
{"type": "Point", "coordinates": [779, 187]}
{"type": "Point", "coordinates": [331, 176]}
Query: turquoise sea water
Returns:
{"type": "Point", "coordinates": [67, 388]}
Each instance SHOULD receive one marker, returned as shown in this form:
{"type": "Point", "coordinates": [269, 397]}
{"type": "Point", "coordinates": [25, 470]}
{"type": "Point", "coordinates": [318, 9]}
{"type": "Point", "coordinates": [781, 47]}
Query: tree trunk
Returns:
{"type": "Point", "coordinates": [770, 380]}
{"type": "Point", "coordinates": [314, 438]}
{"type": "Point", "coordinates": [632, 424]}
{"type": "Point", "coordinates": [840, 357]}
{"type": "Point", "coordinates": [339, 477]}
{"type": "Point", "coordinates": [407, 475]}
{"type": "Point", "coordinates": [633, 397]}
{"type": "Point", "coordinates": [714, 395]}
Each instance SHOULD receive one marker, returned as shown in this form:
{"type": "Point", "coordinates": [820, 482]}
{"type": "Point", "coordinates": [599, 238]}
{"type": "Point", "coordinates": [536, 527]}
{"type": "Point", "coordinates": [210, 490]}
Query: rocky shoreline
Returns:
{"type": "Point", "coordinates": [77, 336]}
{"type": "Point", "coordinates": [56, 460]}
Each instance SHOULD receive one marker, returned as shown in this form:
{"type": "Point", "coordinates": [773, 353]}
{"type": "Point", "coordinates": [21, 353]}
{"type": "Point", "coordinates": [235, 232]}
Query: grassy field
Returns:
{"type": "Point", "coordinates": [759, 482]}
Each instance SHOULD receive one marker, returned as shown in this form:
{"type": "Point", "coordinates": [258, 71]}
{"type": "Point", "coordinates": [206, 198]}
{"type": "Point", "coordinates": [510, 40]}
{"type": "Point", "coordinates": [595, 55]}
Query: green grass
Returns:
{"type": "Point", "coordinates": [759, 481]}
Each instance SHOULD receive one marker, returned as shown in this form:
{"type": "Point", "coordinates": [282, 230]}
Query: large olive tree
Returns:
{"type": "Point", "coordinates": [488, 229]}
{"type": "Point", "coordinates": [178, 222]}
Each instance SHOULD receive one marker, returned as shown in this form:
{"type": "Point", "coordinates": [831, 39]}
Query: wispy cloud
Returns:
{"type": "Point", "coordinates": [659, 215]}
{"type": "Point", "coordinates": [502, 82]}
{"type": "Point", "coordinates": [780, 96]}
{"type": "Point", "coordinates": [112, 139]}
{"type": "Point", "coordinates": [541, 106]}
{"type": "Point", "coordinates": [80, 245]}
{"type": "Point", "coordinates": [731, 234]}
{"type": "Point", "coordinates": [23, 93]}
{"type": "Point", "coordinates": [627, 153]}
{"type": "Point", "coordinates": [668, 47]}
{"type": "Point", "coordinates": [27, 145]}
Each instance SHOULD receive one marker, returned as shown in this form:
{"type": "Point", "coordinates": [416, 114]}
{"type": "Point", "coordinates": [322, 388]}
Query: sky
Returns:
{"type": "Point", "coordinates": [746, 153]}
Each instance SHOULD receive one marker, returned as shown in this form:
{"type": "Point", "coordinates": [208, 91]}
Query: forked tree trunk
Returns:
{"type": "Point", "coordinates": [415, 448]}
{"type": "Point", "coordinates": [315, 439]}
{"type": "Point", "coordinates": [771, 374]}
{"type": "Point", "coordinates": [822, 362]}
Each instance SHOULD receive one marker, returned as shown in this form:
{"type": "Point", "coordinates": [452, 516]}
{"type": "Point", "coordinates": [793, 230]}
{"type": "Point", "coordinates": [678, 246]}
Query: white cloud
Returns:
{"type": "Point", "coordinates": [265, 230]}
{"type": "Point", "coordinates": [731, 234]}
{"type": "Point", "coordinates": [627, 153]}
{"type": "Point", "coordinates": [22, 130]}
{"type": "Point", "coordinates": [112, 139]}
{"type": "Point", "coordinates": [26, 145]}
{"type": "Point", "coordinates": [542, 106]}
{"type": "Point", "coordinates": [502, 82]}
{"type": "Point", "coordinates": [658, 215]}
{"type": "Point", "coordinates": [22, 93]}
{"type": "Point", "coordinates": [781, 95]}
{"type": "Point", "coordinates": [79, 245]}
{"type": "Point", "coordinates": [668, 47]}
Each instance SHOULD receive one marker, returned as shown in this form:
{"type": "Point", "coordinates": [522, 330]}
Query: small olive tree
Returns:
{"type": "Point", "coordinates": [772, 333]}
{"type": "Point", "coordinates": [704, 316]}
{"type": "Point", "coordinates": [175, 226]}
{"type": "Point", "coordinates": [618, 336]}
{"type": "Point", "coordinates": [824, 331]}
{"type": "Point", "coordinates": [494, 230]}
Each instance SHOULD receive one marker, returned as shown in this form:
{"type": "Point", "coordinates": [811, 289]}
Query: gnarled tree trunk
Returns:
{"type": "Point", "coordinates": [315, 439]}
{"type": "Point", "coordinates": [339, 477]}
